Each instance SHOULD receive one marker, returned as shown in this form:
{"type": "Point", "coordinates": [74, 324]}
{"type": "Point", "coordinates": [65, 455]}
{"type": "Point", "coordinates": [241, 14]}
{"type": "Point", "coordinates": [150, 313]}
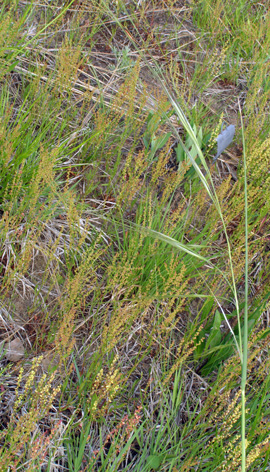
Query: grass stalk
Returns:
{"type": "Point", "coordinates": [245, 331]}
{"type": "Point", "coordinates": [243, 337]}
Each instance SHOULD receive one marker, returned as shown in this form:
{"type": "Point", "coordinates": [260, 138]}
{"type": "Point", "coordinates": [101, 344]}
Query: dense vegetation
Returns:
{"type": "Point", "coordinates": [134, 269]}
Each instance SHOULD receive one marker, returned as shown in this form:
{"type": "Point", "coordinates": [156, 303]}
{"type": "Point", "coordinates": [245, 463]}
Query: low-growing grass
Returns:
{"type": "Point", "coordinates": [134, 271]}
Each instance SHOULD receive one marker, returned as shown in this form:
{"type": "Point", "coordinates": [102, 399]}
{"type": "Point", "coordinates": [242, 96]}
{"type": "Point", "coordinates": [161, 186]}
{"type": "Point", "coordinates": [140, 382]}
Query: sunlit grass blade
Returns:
{"type": "Point", "coordinates": [245, 331]}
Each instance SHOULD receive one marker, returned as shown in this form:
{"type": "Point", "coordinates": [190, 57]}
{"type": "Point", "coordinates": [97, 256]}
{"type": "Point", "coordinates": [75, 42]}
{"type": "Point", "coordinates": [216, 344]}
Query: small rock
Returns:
{"type": "Point", "coordinates": [224, 139]}
{"type": "Point", "coordinates": [14, 350]}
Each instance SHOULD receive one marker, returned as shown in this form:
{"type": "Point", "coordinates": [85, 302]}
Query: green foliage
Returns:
{"type": "Point", "coordinates": [152, 142]}
{"type": "Point", "coordinates": [183, 156]}
{"type": "Point", "coordinates": [129, 277]}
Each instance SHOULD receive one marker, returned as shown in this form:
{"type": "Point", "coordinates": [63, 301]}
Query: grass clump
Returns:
{"type": "Point", "coordinates": [134, 271]}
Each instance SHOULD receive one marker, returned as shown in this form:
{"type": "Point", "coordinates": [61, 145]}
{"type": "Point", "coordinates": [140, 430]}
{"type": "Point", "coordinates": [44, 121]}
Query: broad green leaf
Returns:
{"type": "Point", "coordinates": [214, 338]}
{"type": "Point", "coordinates": [154, 461]}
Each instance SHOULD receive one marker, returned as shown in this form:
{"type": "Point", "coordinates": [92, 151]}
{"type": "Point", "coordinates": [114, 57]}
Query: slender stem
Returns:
{"type": "Point", "coordinates": [245, 332]}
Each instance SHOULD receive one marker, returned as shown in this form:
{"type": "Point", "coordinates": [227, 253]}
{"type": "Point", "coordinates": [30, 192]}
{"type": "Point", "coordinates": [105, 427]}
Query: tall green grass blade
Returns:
{"type": "Point", "coordinates": [245, 331]}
